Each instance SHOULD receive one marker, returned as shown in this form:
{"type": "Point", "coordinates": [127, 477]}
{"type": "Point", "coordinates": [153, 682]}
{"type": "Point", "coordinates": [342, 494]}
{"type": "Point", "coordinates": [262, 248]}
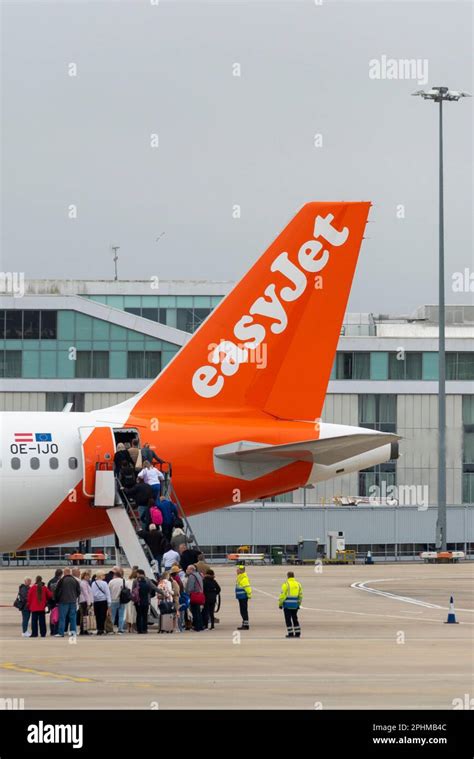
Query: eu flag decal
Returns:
{"type": "Point", "coordinates": [43, 437]}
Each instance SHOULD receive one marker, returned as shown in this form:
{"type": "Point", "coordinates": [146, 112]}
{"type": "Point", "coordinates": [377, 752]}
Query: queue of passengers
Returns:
{"type": "Point", "coordinates": [130, 461]}
{"type": "Point", "coordinates": [79, 602]}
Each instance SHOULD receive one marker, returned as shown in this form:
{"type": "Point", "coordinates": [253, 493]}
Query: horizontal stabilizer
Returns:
{"type": "Point", "coordinates": [249, 459]}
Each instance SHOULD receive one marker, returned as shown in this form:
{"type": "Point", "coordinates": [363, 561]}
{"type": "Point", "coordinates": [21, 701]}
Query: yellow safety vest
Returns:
{"type": "Point", "coordinates": [291, 594]}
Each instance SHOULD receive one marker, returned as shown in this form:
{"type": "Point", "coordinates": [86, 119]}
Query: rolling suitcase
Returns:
{"type": "Point", "coordinates": [166, 623]}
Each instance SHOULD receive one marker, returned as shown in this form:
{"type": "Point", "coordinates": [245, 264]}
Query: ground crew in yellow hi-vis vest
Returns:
{"type": "Point", "coordinates": [290, 601]}
{"type": "Point", "coordinates": [243, 592]}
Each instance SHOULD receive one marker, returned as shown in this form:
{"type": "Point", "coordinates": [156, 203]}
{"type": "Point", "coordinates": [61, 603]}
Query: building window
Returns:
{"type": "Point", "coordinates": [460, 366]}
{"type": "Point", "coordinates": [405, 366]}
{"type": "Point", "coordinates": [143, 364]}
{"type": "Point", "coordinates": [30, 325]}
{"type": "Point", "coordinates": [154, 314]}
{"type": "Point", "coordinates": [371, 480]}
{"type": "Point", "coordinates": [13, 325]}
{"type": "Point", "coordinates": [378, 412]}
{"type": "Point", "coordinates": [189, 319]}
{"type": "Point", "coordinates": [468, 449]}
{"type": "Point", "coordinates": [57, 401]}
{"type": "Point", "coordinates": [92, 364]}
{"type": "Point", "coordinates": [10, 363]}
{"type": "Point", "coordinates": [49, 320]}
{"type": "Point", "coordinates": [353, 365]}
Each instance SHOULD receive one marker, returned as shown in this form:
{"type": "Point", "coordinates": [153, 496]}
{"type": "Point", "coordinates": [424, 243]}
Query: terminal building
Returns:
{"type": "Point", "coordinates": [95, 343]}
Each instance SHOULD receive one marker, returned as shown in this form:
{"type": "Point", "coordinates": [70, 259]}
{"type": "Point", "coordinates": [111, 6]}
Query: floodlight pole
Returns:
{"type": "Point", "coordinates": [441, 522]}
{"type": "Point", "coordinates": [438, 94]}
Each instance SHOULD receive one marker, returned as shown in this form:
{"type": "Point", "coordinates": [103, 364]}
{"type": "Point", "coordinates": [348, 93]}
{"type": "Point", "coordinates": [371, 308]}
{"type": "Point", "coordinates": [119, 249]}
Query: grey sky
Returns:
{"type": "Point", "coordinates": [226, 140]}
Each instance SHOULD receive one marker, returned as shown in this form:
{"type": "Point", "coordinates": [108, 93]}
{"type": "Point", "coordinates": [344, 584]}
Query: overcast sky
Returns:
{"type": "Point", "coordinates": [226, 140]}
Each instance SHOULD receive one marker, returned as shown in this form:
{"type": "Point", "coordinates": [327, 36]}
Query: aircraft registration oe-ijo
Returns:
{"type": "Point", "coordinates": [235, 429]}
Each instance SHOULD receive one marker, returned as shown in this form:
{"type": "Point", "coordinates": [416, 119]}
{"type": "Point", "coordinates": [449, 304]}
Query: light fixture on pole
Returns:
{"type": "Point", "coordinates": [440, 94]}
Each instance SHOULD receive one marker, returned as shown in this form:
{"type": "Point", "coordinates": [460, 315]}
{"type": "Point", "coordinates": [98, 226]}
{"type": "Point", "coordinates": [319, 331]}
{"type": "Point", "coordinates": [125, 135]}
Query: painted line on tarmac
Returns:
{"type": "Point", "coordinates": [396, 597]}
{"type": "Point", "coordinates": [358, 613]}
{"type": "Point", "coordinates": [44, 673]}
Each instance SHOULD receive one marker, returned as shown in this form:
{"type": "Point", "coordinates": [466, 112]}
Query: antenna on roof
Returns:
{"type": "Point", "coordinates": [115, 248]}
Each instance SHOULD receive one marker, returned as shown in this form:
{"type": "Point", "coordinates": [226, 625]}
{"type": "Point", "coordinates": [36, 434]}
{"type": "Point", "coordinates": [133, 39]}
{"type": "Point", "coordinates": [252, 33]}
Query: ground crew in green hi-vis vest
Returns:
{"type": "Point", "coordinates": [290, 601]}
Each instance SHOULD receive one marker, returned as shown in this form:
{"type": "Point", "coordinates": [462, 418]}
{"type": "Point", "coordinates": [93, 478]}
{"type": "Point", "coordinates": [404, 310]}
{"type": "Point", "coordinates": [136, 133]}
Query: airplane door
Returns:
{"type": "Point", "coordinates": [98, 445]}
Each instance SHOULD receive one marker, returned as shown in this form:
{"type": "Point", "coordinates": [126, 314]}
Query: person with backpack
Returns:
{"type": "Point", "coordinates": [38, 597]}
{"type": "Point", "coordinates": [187, 556]}
{"type": "Point", "coordinates": [211, 591]}
{"type": "Point", "coordinates": [156, 542]}
{"type": "Point", "coordinates": [54, 618]}
{"type": "Point", "coordinates": [169, 511]}
{"type": "Point", "coordinates": [141, 493]}
{"type": "Point", "coordinates": [127, 475]}
{"type": "Point", "coordinates": [142, 593]}
{"type": "Point", "coordinates": [197, 599]}
{"type": "Point", "coordinates": [66, 595]}
{"type": "Point", "coordinates": [156, 515]}
{"type": "Point", "coordinates": [102, 601]}
{"type": "Point", "coordinates": [120, 596]}
{"type": "Point", "coordinates": [21, 603]}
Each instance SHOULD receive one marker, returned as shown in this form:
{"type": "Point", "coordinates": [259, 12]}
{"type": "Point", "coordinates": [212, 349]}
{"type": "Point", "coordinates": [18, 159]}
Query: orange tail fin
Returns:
{"type": "Point", "coordinates": [270, 344]}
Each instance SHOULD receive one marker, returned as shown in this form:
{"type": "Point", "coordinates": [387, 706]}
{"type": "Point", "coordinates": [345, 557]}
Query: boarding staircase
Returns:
{"type": "Point", "coordinates": [124, 518]}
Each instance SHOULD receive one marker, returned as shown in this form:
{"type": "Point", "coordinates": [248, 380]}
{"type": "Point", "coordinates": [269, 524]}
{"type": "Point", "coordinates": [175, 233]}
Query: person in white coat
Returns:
{"type": "Point", "coordinates": [102, 601]}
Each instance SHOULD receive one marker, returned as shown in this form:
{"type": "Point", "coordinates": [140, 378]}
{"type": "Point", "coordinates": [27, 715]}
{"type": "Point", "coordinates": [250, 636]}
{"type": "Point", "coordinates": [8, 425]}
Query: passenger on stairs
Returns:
{"type": "Point", "coordinates": [152, 477]}
{"type": "Point", "coordinates": [178, 536]}
{"type": "Point", "coordinates": [187, 556]}
{"type": "Point", "coordinates": [135, 455]}
{"type": "Point", "coordinates": [170, 515]}
{"type": "Point", "coordinates": [156, 514]}
{"type": "Point", "coordinates": [148, 454]}
{"type": "Point", "coordinates": [170, 557]}
{"type": "Point", "coordinates": [121, 454]}
{"type": "Point", "coordinates": [127, 475]}
{"type": "Point", "coordinates": [141, 493]}
{"type": "Point", "coordinates": [156, 542]}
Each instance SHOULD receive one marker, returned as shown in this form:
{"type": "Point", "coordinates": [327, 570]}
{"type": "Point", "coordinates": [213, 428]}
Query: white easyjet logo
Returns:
{"type": "Point", "coordinates": [208, 380]}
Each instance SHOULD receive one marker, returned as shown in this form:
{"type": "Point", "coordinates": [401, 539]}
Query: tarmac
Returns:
{"type": "Point", "coordinates": [359, 649]}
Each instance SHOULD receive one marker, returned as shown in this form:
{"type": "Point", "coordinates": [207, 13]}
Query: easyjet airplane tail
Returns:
{"type": "Point", "coordinates": [234, 412]}
{"type": "Point", "coordinates": [270, 344]}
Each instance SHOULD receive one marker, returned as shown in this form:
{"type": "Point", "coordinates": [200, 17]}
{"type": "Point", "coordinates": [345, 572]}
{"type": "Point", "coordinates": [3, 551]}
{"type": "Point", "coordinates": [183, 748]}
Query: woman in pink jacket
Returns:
{"type": "Point", "coordinates": [38, 597]}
